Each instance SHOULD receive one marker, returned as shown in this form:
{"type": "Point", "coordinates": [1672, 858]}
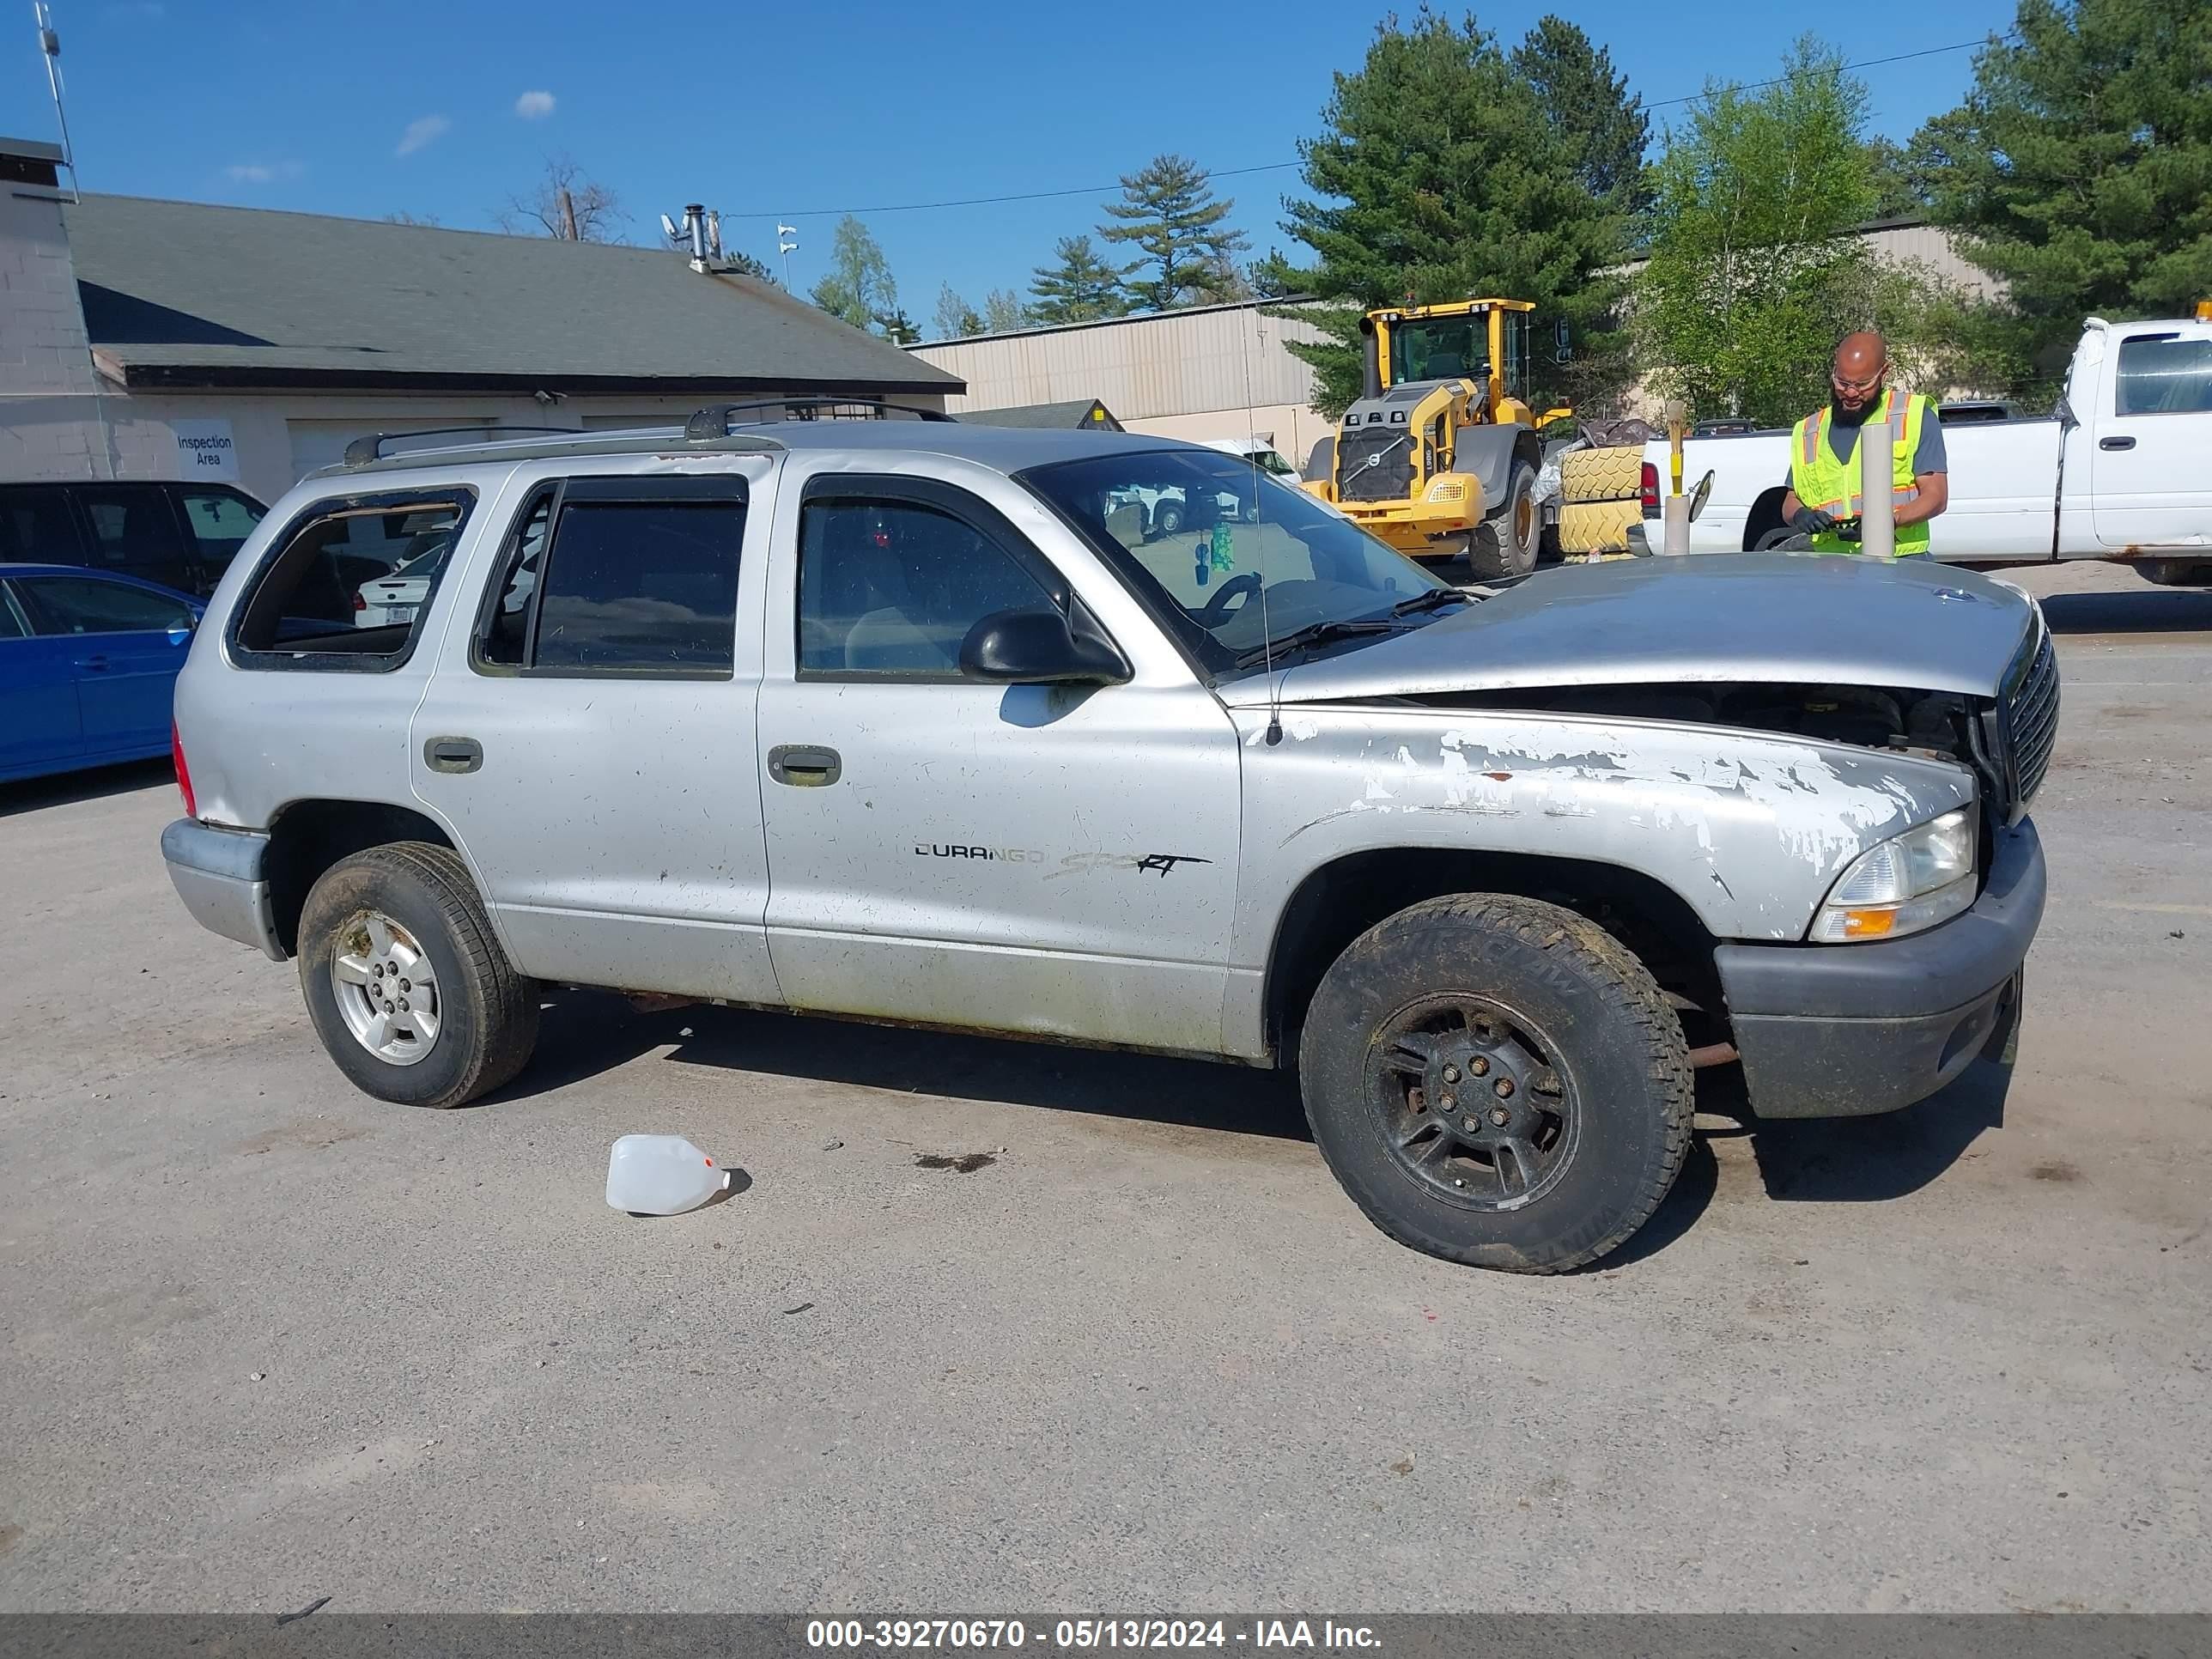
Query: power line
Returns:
{"type": "Point", "coordinates": [1280, 166]}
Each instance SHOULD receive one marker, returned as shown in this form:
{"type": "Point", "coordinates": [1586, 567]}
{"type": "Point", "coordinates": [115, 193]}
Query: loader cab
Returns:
{"type": "Point", "coordinates": [1486, 341]}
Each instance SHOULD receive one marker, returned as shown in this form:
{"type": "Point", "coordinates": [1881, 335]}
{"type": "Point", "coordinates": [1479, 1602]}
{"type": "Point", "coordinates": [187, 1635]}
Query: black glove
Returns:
{"type": "Point", "coordinates": [1811, 520]}
{"type": "Point", "coordinates": [1847, 530]}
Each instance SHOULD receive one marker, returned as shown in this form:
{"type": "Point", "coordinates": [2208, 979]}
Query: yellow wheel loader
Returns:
{"type": "Point", "coordinates": [1439, 455]}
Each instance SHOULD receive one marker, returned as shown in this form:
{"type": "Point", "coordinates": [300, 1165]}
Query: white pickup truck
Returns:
{"type": "Point", "coordinates": [2119, 472]}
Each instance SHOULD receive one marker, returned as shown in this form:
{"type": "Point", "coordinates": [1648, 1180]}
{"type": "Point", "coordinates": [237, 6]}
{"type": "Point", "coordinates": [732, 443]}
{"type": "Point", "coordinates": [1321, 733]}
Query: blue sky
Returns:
{"type": "Point", "coordinates": [774, 110]}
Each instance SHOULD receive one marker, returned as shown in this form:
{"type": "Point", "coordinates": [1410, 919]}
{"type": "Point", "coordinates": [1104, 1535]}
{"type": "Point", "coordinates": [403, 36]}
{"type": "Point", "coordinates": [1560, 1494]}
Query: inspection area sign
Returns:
{"type": "Point", "coordinates": [205, 450]}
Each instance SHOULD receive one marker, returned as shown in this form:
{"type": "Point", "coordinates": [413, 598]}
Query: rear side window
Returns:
{"type": "Point", "coordinates": [11, 624]}
{"type": "Point", "coordinates": [625, 576]}
{"type": "Point", "coordinates": [36, 528]}
{"type": "Point", "coordinates": [85, 605]}
{"type": "Point", "coordinates": [2164, 375]}
{"type": "Point", "coordinates": [351, 582]}
{"type": "Point", "coordinates": [132, 527]}
{"type": "Point", "coordinates": [220, 522]}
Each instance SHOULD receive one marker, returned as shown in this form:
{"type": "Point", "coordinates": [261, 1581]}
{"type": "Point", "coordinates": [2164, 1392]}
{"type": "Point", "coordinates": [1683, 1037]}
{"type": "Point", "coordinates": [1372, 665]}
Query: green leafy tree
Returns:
{"type": "Point", "coordinates": [859, 288]}
{"type": "Point", "coordinates": [1169, 213]}
{"type": "Point", "coordinates": [1438, 177]}
{"type": "Point", "coordinates": [956, 317]}
{"type": "Point", "coordinates": [1589, 105]}
{"type": "Point", "coordinates": [1003, 312]}
{"type": "Point", "coordinates": [1754, 271]}
{"type": "Point", "coordinates": [1900, 181]}
{"type": "Point", "coordinates": [2079, 169]}
{"type": "Point", "coordinates": [1080, 286]}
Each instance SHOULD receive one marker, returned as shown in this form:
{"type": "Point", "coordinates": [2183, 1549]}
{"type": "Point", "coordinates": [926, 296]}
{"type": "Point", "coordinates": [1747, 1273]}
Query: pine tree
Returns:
{"type": "Point", "coordinates": [2079, 169]}
{"type": "Point", "coordinates": [1438, 176]}
{"type": "Point", "coordinates": [1590, 107]}
{"type": "Point", "coordinates": [1080, 287]}
{"type": "Point", "coordinates": [1169, 213]}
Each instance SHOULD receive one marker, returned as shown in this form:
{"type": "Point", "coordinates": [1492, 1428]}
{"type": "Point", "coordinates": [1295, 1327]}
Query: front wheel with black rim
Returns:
{"type": "Point", "coordinates": [405, 980]}
{"type": "Point", "coordinates": [1499, 1082]}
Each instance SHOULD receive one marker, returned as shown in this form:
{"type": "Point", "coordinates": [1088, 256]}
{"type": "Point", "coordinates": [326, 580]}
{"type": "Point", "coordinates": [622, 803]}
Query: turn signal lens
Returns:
{"type": "Point", "coordinates": [1908, 882]}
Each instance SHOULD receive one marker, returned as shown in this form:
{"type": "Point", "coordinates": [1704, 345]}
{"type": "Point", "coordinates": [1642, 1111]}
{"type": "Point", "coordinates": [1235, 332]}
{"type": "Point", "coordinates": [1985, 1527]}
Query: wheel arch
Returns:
{"type": "Point", "coordinates": [307, 837]}
{"type": "Point", "coordinates": [1337, 901]}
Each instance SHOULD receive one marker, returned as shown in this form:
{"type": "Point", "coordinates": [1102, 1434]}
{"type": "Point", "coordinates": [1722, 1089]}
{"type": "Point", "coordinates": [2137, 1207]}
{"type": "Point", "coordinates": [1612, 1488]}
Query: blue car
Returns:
{"type": "Point", "coordinates": [88, 665]}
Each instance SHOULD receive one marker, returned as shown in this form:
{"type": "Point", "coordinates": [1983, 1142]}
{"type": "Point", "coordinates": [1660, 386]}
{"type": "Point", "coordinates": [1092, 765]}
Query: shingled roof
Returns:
{"type": "Point", "coordinates": [181, 293]}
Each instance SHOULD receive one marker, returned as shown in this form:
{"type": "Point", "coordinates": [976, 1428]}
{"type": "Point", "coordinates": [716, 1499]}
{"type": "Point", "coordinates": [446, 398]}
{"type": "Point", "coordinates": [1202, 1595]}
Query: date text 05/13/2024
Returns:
{"type": "Point", "coordinates": [1086, 1635]}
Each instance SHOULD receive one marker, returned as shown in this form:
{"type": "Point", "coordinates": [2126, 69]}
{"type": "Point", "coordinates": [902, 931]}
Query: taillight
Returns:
{"type": "Point", "coordinates": [360, 603]}
{"type": "Point", "coordinates": [183, 772]}
{"type": "Point", "coordinates": [1649, 491]}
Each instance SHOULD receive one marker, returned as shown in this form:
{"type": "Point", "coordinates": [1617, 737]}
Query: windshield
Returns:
{"type": "Point", "coordinates": [1204, 536]}
{"type": "Point", "coordinates": [1440, 348]}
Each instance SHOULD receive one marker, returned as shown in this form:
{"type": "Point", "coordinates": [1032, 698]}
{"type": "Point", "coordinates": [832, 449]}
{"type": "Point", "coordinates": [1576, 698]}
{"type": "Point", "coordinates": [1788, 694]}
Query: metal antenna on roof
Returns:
{"type": "Point", "coordinates": [51, 43]}
{"type": "Point", "coordinates": [1252, 461]}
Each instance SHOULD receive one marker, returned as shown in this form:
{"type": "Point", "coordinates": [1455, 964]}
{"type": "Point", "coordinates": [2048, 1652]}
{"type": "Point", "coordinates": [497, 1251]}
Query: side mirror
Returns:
{"type": "Point", "coordinates": [1037, 645]}
{"type": "Point", "coordinates": [1700, 495]}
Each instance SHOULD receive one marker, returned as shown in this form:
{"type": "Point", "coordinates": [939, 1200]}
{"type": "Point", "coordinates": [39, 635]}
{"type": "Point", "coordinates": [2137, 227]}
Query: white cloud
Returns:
{"type": "Point", "coordinates": [420, 133]}
{"type": "Point", "coordinates": [262, 173]}
{"type": "Point", "coordinates": [534, 106]}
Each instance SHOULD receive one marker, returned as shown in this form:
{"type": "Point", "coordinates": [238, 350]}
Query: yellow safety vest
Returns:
{"type": "Point", "coordinates": [1822, 481]}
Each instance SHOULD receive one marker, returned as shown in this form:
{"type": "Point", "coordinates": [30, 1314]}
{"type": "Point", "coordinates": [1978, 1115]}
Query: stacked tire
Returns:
{"type": "Point", "coordinates": [1600, 494]}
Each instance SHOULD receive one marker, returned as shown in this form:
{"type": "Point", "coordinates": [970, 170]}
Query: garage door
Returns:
{"type": "Point", "coordinates": [323, 443]}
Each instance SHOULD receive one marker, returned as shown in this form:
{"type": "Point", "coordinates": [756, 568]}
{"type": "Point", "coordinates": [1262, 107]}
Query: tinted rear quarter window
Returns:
{"type": "Point", "coordinates": [36, 527]}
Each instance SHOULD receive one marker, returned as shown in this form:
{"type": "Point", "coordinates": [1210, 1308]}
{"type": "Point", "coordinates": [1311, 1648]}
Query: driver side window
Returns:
{"type": "Point", "coordinates": [890, 587]}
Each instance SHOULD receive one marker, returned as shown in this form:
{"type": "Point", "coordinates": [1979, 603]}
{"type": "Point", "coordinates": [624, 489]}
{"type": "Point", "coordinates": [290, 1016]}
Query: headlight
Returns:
{"type": "Point", "coordinates": [1909, 883]}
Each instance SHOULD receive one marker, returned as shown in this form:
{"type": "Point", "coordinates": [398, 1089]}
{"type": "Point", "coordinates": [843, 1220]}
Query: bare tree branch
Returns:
{"type": "Point", "coordinates": [566, 206]}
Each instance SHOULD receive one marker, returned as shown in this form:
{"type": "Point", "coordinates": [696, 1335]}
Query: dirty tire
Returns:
{"type": "Point", "coordinates": [1506, 543]}
{"type": "Point", "coordinates": [1597, 527]}
{"type": "Point", "coordinates": [488, 1012]}
{"type": "Point", "coordinates": [1602, 475]}
{"type": "Point", "coordinates": [1619, 1048]}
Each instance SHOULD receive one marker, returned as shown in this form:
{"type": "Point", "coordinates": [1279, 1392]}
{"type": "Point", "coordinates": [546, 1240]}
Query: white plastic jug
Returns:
{"type": "Point", "coordinates": [661, 1175]}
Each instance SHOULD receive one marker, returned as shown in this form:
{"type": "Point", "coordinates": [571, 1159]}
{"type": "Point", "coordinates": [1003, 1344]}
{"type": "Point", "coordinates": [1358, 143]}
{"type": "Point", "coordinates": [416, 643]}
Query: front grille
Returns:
{"type": "Point", "coordinates": [1375, 464]}
{"type": "Point", "coordinates": [2032, 720]}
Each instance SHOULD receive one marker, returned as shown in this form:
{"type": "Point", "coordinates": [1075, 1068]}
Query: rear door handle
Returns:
{"type": "Point", "coordinates": [2116, 443]}
{"type": "Point", "coordinates": [453, 754]}
{"type": "Point", "coordinates": [93, 664]}
{"type": "Point", "coordinates": [804, 765]}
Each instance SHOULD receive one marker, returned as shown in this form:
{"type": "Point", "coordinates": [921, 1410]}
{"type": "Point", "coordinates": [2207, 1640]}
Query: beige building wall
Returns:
{"type": "Point", "coordinates": [1207, 372]}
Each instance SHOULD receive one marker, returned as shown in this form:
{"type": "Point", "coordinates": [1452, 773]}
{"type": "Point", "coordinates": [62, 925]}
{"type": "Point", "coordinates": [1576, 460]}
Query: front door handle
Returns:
{"type": "Point", "coordinates": [804, 765]}
{"type": "Point", "coordinates": [2116, 443]}
{"type": "Point", "coordinates": [93, 664]}
{"type": "Point", "coordinates": [453, 754]}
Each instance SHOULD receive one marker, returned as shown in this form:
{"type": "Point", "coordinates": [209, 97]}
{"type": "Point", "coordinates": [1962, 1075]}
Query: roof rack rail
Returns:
{"type": "Point", "coordinates": [361, 450]}
{"type": "Point", "coordinates": [715, 419]}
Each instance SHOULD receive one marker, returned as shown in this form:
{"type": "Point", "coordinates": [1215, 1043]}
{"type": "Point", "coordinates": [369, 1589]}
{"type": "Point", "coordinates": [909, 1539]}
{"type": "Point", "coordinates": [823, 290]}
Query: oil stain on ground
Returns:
{"type": "Point", "coordinates": [959, 1163]}
{"type": "Point", "coordinates": [2055, 1170]}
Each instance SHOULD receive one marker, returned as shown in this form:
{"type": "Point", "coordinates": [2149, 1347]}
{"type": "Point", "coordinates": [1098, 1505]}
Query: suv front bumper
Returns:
{"type": "Point", "coordinates": [1849, 1030]}
{"type": "Point", "coordinates": [222, 876]}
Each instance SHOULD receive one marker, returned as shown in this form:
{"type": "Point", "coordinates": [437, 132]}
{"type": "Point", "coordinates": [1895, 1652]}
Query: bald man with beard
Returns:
{"type": "Point", "coordinates": [1822, 501]}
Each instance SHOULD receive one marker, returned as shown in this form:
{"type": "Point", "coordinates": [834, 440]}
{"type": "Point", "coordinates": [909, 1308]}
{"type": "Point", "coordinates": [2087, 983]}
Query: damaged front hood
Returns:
{"type": "Point", "coordinates": [1743, 618]}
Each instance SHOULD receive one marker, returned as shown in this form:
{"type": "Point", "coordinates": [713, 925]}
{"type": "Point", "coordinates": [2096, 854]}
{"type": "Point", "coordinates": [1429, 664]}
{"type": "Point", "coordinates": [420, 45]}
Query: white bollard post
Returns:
{"type": "Point", "coordinates": [1674, 536]}
{"type": "Point", "coordinates": [1877, 507]}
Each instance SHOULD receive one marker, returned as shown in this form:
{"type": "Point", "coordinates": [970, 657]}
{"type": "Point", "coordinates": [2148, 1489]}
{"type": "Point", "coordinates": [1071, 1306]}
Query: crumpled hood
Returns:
{"type": "Point", "coordinates": [1751, 617]}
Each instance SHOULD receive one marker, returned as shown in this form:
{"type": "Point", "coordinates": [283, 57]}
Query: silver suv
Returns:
{"type": "Point", "coordinates": [915, 721]}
